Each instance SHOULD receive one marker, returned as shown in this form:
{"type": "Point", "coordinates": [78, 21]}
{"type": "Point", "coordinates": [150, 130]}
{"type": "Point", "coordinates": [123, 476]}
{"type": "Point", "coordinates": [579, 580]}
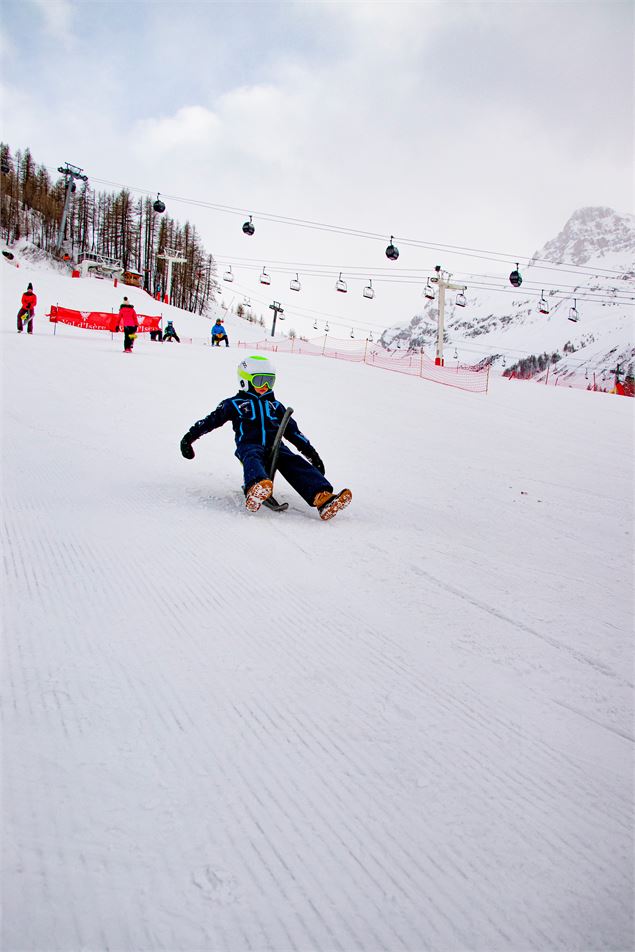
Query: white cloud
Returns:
{"type": "Point", "coordinates": [6, 48]}
{"type": "Point", "coordinates": [189, 126]}
{"type": "Point", "coordinates": [462, 123]}
{"type": "Point", "coordinates": [58, 19]}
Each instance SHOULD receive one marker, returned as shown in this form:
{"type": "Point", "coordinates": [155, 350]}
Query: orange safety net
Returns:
{"type": "Point", "coordinates": [461, 376]}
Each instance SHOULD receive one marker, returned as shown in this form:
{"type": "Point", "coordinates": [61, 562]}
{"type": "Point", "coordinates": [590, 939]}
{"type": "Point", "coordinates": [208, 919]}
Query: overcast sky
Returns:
{"type": "Point", "coordinates": [473, 124]}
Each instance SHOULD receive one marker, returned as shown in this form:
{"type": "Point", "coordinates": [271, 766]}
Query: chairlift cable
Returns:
{"type": "Point", "coordinates": [354, 232]}
{"type": "Point", "coordinates": [530, 289]}
{"type": "Point", "coordinates": [408, 276]}
{"type": "Point", "coordinates": [339, 322]}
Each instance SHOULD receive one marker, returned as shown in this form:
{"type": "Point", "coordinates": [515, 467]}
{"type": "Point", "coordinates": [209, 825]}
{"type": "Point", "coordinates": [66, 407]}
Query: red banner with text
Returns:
{"type": "Point", "coordinates": [99, 320]}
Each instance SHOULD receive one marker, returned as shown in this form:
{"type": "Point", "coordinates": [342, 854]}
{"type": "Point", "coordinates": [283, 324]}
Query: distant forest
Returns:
{"type": "Point", "coordinates": [116, 225]}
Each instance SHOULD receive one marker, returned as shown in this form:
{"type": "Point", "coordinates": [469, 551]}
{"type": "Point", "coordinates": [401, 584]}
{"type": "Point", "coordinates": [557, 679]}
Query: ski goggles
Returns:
{"type": "Point", "coordinates": [263, 380]}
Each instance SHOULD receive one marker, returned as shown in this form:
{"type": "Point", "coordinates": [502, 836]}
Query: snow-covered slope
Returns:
{"type": "Point", "coordinates": [410, 728]}
{"type": "Point", "coordinates": [506, 323]}
{"type": "Point", "coordinates": [54, 285]}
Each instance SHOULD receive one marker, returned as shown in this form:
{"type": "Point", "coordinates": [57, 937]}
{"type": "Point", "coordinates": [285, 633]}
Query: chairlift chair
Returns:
{"type": "Point", "coordinates": [326, 327]}
{"type": "Point", "coordinates": [368, 290]}
{"type": "Point", "coordinates": [543, 306]}
{"type": "Point", "coordinates": [429, 290]}
{"type": "Point", "coordinates": [456, 354]}
{"type": "Point", "coordinates": [370, 337]}
{"type": "Point", "coordinates": [573, 312]}
{"type": "Point", "coordinates": [248, 227]}
{"type": "Point", "coordinates": [435, 277]}
{"type": "Point", "coordinates": [295, 283]}
{"type": "Point", "coordinates": [352, 333]}
{"type": "Point", "coordinates": [340, 285]}
{"type": "Point", "coordinates": [158, 205]}
{"type": "Point", "coordinates": [461, 300]}
{"type": "Point", "coordinates": [392, 251]}
{"type": "Point", "coordinates": [515, 278]}
{"type": "Point", "coordinates": [315, 325]}
{"type": "Point", "coordinates": [264, 277]}
{"type": "Point", "coordinates": [228, 276]}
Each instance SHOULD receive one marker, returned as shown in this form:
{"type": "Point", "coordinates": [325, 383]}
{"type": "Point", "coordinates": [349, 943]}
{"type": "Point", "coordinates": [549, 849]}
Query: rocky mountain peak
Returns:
{"type": "Point", "coordinates": [590, 233]}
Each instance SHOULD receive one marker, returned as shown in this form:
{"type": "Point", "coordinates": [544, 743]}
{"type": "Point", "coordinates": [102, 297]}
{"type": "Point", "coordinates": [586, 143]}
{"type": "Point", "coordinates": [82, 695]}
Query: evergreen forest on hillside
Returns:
{"type": "Point", "coordinates": [112, 224]}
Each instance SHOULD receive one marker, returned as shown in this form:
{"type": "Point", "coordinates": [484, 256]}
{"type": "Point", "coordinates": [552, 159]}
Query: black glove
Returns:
{"type": "Point", "coordinates": [187, 450]}
{"type": "Point", "coordinates": [313, 457]}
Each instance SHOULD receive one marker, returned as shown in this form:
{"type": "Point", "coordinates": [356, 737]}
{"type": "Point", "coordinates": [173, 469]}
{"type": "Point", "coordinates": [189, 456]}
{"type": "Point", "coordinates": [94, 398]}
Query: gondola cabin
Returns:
{"type": "Point", "coordinates": [515, 278]}
{"type": "Point", "coordinates": [392, 251]}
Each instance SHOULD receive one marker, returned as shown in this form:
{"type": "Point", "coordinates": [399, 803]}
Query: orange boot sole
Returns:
{"type": "Point", "coordinates": [257, 494]}
{"type": "Point", "coordinates": [333, 505]}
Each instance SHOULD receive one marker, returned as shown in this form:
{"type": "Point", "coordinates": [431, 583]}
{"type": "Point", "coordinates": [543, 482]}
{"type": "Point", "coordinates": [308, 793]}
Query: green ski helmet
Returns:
{"type": "Point", "coordinates": [257, 374]}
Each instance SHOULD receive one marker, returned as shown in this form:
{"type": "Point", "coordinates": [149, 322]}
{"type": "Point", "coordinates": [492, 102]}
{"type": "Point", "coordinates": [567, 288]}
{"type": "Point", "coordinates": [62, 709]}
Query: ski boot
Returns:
{"type": "Point", "coordinates": [329, 504]}
{"type": "Point", "coordinates": [256, 494]}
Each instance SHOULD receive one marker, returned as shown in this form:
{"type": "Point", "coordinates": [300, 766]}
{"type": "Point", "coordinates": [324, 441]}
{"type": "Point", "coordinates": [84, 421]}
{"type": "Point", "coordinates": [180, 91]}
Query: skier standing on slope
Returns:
{"type": "Point", "coordinates": [27, 310]}
{"type": "Point", "coordinates": [255, 415]}
{"type": "Point", "coordinates": [130, 322]}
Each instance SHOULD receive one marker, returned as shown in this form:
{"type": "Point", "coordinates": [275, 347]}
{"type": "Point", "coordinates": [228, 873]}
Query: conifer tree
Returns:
{"type": "Point", "coordinates": [114, 225]}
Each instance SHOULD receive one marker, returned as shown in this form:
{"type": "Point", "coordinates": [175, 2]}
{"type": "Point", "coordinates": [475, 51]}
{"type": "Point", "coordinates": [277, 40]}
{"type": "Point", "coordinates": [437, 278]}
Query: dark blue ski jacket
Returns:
{"type": "Point", "coordinates": [255, 420]}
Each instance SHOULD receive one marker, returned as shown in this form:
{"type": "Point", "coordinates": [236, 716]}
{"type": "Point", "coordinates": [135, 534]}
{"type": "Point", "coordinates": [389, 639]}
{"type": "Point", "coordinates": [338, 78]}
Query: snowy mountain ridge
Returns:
{"type": "Point", "coordinates": [590, 235]}
{"type": "Point", "coordinates": [506, 323]}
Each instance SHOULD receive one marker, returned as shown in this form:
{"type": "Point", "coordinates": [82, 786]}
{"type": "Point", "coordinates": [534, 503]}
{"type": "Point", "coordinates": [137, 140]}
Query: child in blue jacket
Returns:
{"type": "Point", "coordinates": [255, 415]}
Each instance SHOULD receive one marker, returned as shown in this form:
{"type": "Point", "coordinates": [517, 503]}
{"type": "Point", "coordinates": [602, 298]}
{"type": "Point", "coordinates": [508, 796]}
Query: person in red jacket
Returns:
{"type": "Point", "coordinates": [27, 311]}
{"type": "Point", "coordinates": [130, 322]}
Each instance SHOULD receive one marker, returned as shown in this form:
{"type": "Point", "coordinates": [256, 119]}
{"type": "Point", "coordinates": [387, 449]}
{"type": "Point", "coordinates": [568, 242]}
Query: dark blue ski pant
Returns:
{"type": "Point", "coordinates": [298, 472]}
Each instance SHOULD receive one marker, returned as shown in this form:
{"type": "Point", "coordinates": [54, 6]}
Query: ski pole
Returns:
{"type": "Point", "coordinates": [275, 449]}
{"type": "Point", "coordinates": [271, 502]}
